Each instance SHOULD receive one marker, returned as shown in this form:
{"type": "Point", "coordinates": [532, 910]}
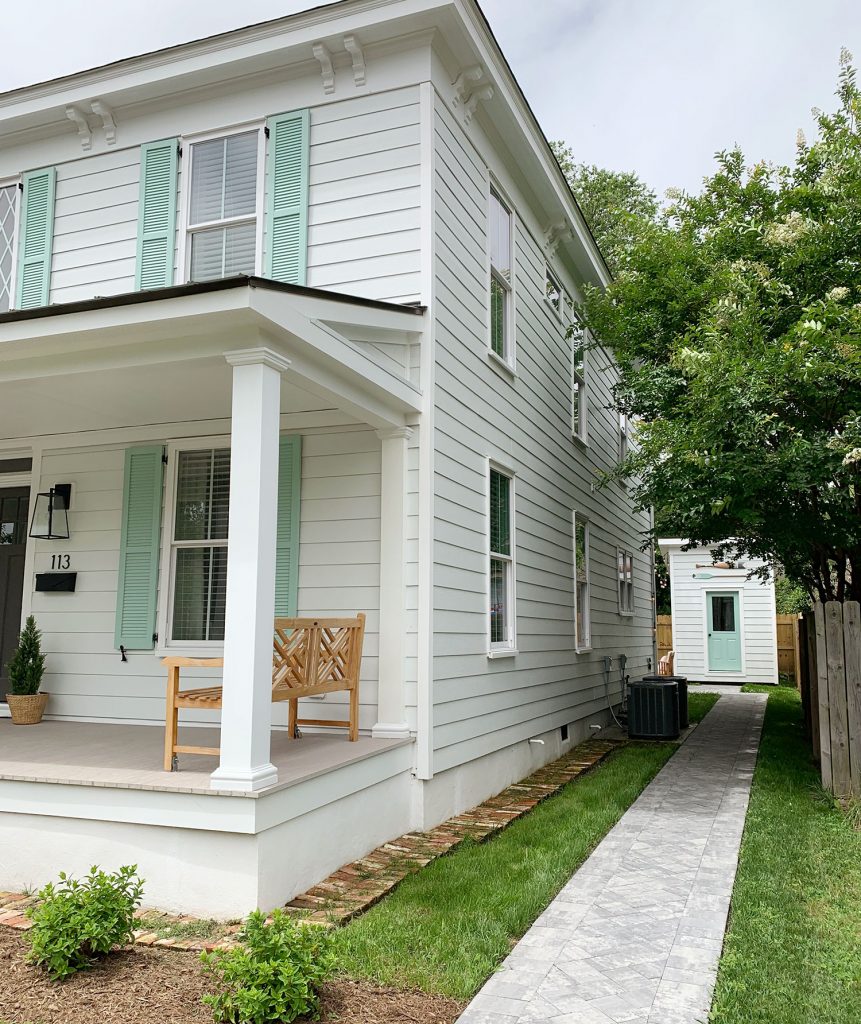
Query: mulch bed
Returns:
{"type": "Point", "coordinates": [155, 986]}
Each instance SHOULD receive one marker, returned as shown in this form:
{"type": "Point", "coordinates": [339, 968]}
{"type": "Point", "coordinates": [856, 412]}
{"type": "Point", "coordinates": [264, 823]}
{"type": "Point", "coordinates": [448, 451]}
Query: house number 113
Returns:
{"type": "Point", "coordinates": [60, 561]}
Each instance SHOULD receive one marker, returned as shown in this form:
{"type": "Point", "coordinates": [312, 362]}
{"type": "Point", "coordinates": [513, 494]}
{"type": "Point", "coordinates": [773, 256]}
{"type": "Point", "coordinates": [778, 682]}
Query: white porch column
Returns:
{"type": "Point", "coordinates": [391, 716]}
{"type": "Point", "coordinates": [246, 716]}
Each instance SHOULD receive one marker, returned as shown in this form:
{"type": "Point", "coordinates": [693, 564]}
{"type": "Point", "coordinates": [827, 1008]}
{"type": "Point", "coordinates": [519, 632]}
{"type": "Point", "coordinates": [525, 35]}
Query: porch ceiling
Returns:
{"type": "Point", "coordinates": [133, 360]}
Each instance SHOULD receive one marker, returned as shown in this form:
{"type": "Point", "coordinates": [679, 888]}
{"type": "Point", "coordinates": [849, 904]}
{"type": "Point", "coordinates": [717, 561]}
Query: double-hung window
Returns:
{"type": "Point", "coordinates": [224, 206]}
{"type": "Point", "coordinates": [625, 563]}
{"type": "Point", "coordinates": [8, 222]}
{"type": "Point", "coordinates": [623, 436]}
{"type": "Point", "coordinates": [501, 279]}
{"type": "Point", "coordinates": [553, 292]}
{"type": "Point", "coordinates": [582, 616]}
{"type": "Point", "coordinates": [199, 545]}
{"type": "Point", "coordinates": [579, 391]}
{"type": "Point", "coordinates": [501, 568]}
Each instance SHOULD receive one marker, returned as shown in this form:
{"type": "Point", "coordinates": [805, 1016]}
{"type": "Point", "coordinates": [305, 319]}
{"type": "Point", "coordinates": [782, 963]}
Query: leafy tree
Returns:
{"type": "Point", "coordinates": [615, 204]}
{"type": "Point", "coordinates": [736, 321]}
{"type": "Point", "coordinates": [789, 598]}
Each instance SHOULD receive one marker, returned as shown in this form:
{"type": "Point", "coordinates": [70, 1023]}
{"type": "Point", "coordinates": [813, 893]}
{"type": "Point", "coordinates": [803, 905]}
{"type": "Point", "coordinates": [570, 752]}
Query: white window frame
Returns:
{"type": "Point", "coordinates": [187, 144]}
{"type": "Point", "coordinates": [508, 359]}
{"type": "Point", "coordinates": [167, 561]}
{"type": "Point", "coordinates": [625, 584]}
{"type": "Point", "coordinates": [579, 385]}
{"type": "Point", "coordinates": [579, 645]}
{"type": "Point", "coordinates": [550, 277]}
{"type": "Point", "coordinates": [14, 182]}
{"type": "Point", "coordinates": [508, 647]}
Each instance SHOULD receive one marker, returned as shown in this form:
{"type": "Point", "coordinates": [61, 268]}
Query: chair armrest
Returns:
{"type": "Point", "coordinates": [193, 662]}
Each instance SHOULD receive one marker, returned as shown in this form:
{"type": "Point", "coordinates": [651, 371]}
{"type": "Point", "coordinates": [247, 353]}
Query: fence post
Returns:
{"type": "Point", "coordinates": [804, 677]}
{"type": "Point", "coordinates": [813, 680]}
{"type": "Point", "coordinates": [837, 699]}
{"type": "Point", "coordinates": [796, 649]}
{"type": "Point", "coordinates": [852, 653]}
{"type": "Point", "coordinates": [822, 695]}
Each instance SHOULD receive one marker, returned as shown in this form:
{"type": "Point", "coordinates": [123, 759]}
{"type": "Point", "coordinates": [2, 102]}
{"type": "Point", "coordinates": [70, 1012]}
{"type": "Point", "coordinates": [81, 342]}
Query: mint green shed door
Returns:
{"type": "Point", "coordinates": [724, 631]}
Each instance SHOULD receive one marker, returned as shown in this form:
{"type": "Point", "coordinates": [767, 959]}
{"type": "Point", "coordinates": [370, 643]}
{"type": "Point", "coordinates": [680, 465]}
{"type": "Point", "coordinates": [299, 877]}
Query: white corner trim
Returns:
{"type": "Point", "coordinates": [327, 72]}
{"type": "Point", "coordinates": [354, 48]}
{"type": "Point", "coordinates": [85, 134]}
{"type": "Point", "coordinates": [109, 125]}
{"type": "Point", "coordinates": [258, 356]}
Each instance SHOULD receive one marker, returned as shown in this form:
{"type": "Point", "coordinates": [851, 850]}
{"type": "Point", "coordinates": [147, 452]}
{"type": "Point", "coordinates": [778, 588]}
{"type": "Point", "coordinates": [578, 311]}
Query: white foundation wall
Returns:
{"type": "Point", "coordinates": [757, 613]}
{"type": "Point", "coordinates": [338, 574]}
{"type": "Point", "coordinates": [523, 422]}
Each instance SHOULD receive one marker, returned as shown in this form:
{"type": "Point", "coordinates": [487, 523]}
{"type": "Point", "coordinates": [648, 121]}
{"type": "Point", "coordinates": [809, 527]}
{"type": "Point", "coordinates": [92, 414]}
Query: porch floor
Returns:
{"type": "Point", "coordinates": [130, 756]}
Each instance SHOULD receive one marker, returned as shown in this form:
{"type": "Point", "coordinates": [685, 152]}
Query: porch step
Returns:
{"type": "Point", "coordinates": [356, 887]}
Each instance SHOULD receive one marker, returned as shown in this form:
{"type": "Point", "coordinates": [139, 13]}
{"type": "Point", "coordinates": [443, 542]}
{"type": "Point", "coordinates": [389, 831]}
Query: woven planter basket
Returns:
{"type": "Point", "coordinates": [26, 708]}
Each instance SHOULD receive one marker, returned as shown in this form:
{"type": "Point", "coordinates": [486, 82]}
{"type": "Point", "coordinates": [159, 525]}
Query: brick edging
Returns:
{"type": "Point", "coordinates": [356, 887]}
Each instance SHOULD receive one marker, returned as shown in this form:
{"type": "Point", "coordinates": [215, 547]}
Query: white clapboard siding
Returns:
{"type": "Point", "coordinates": [338, 575]}
{"type": "Point", "coordinates": [363, 215]}
{"type": "Point", "coordinates": [756, 611]}
{"type": "Point", "coordinates": [95, 226]}
{"type": "Point", "coordinates": [483, 705]}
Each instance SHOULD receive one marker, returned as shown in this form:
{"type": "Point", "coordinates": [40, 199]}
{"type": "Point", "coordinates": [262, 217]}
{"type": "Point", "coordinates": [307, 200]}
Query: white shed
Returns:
{"type": "Point", "coordinates": [724, 622]}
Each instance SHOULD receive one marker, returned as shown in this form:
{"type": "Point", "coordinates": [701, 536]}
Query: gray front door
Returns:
{"type": "Point", "coordinates": [14, 505]}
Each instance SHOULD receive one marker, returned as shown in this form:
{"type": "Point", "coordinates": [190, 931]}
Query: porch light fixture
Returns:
{"type": "Point", "coordinates": [51, 514]}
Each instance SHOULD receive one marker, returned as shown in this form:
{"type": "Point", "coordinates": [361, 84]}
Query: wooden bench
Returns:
{"type": "Point", "coordinates": [309, 657]}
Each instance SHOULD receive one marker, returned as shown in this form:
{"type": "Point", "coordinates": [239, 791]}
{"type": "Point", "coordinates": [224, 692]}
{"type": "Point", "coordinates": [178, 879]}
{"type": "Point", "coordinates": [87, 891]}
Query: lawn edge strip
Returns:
{"type": "Point", "coordinates": [356, 887]}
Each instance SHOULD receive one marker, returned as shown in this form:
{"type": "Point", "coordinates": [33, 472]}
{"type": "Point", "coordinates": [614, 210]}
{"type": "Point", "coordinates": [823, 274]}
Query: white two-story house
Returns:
{"type": "Point", "coordinates": [287, 312]}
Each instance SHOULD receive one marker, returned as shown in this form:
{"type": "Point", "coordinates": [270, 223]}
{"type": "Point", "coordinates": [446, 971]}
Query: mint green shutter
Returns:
{"type": "Point", "coordinates": [157, 214]}
{"type": "Point", "coordinates": [37, 238]}
{"type": "Point", "coordinates": [287, 545]}
{"type": "Point", "coordinates": [137, 586]}
{"type": "Point", "coordinates": [287, 198]}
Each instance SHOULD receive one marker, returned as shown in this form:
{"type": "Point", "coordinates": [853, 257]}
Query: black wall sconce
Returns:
{"type": "Point", "coordinates": [51, 514]}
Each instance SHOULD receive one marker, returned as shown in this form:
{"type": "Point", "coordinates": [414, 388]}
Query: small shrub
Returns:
{"type": "Point", "coordinates": [78, 920]}
{"type": "Point", "coordinates": [274, 975]}
{"type": "Point", "coordinates": [28, 663]}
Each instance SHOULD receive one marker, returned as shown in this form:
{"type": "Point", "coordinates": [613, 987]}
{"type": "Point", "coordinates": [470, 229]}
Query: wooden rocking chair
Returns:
{"type": "Point", "coordinates": [309, 657]}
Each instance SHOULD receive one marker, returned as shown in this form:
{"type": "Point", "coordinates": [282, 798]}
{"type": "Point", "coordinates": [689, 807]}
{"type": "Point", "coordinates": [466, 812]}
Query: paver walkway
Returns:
{"type": "Point", "coordinates": [636, 935]}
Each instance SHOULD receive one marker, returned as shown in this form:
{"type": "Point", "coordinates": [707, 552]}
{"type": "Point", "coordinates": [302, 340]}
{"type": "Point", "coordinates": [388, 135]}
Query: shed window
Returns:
{"type": "Point", "coordinates": [223, 207]}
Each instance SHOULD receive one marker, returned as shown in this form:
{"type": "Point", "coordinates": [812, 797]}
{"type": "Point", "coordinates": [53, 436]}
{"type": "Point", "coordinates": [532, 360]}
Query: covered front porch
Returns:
{"type": "Point", "coordinates": [218, 377]}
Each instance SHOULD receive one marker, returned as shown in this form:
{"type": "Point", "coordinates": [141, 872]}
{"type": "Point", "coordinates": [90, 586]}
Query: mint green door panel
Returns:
{"type": "Point", "coordinates": [724, 631]}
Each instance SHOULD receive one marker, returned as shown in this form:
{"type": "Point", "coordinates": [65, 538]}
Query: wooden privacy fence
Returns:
{"type": "Point", "coordinates": [665, 635]}
{"type": "Point", "coordinates": [831, 692]}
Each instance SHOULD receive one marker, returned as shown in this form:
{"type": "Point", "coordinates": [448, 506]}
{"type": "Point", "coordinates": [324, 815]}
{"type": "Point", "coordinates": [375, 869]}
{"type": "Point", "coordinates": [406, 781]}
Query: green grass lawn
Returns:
{"type": "Point", "coordinates": [446, 928]}
{"type": "Point", "coordinates": [793, 951]}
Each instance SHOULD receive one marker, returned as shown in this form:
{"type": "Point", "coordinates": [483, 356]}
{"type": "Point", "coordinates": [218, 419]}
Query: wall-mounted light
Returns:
{"type": "Point", "coordinates": [51, 514]}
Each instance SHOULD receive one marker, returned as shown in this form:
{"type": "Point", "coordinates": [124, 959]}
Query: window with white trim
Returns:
{"type": "Point", "coordinates": [198, 575]}
{"type": "Point", "coordinates": [582, 594]}
{"type": "Point", "coordinates": [8, 224]}
{"type": "Point", "coordinates": [501, 278]}
{"type": "Point", "coordinates": [224, 206]}
{"type": "Point", "coordinates": [625, 566]}
{"type": "Point", "coordinates": [553, 292]}
{"type": "Point", "coordinates": [623, 436]}
{"type": "Point", "coordinates": [501, 567]}
{"type": "Point", "coordinates": [579, 390]}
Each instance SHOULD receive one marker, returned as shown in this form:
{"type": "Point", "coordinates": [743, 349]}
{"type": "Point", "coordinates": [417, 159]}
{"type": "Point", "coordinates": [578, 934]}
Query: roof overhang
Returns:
{"type": "Point", "coordinates": [333, 342]}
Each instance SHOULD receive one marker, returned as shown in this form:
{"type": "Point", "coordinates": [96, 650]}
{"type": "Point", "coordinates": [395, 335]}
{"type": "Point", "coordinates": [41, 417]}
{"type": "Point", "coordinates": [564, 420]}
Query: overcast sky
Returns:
{"type": "Point", "coordinates": [654, 86]}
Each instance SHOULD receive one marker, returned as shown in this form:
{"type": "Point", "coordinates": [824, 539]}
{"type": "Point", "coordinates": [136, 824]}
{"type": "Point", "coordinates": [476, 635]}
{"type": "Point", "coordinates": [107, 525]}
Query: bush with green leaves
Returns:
{"type": "Point", "coordinates": [79, 920]}
{"type": "Point", "coordinates": [28, 663]}
{"type": "Point", "coordinates": [274, 974]}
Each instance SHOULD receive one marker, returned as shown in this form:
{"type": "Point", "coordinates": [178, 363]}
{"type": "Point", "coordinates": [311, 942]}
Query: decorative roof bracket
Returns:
{"type": "Point", "coordinates": [554, 235]}
{"type": "Point", "coordinates": [85, 134]}
{"type": "Point", "coordinates": [354, 48]}
{"type": "Point", "coordinates": [322, 54]}
{"type": "Point", "coordinates": [483, 94]}
{"type": "Point", "coordinates": [464, 83]}
{"type": "Point", "coordinates": [103, 111]}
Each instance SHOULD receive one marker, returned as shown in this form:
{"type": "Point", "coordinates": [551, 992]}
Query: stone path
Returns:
{"type": "Point", "coordinates": [636, 935]}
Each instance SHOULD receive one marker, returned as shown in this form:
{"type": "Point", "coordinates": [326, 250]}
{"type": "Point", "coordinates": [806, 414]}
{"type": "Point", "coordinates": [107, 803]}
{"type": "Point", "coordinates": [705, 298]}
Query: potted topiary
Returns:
{"type": "Point", "coordinates": [26, 703]}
